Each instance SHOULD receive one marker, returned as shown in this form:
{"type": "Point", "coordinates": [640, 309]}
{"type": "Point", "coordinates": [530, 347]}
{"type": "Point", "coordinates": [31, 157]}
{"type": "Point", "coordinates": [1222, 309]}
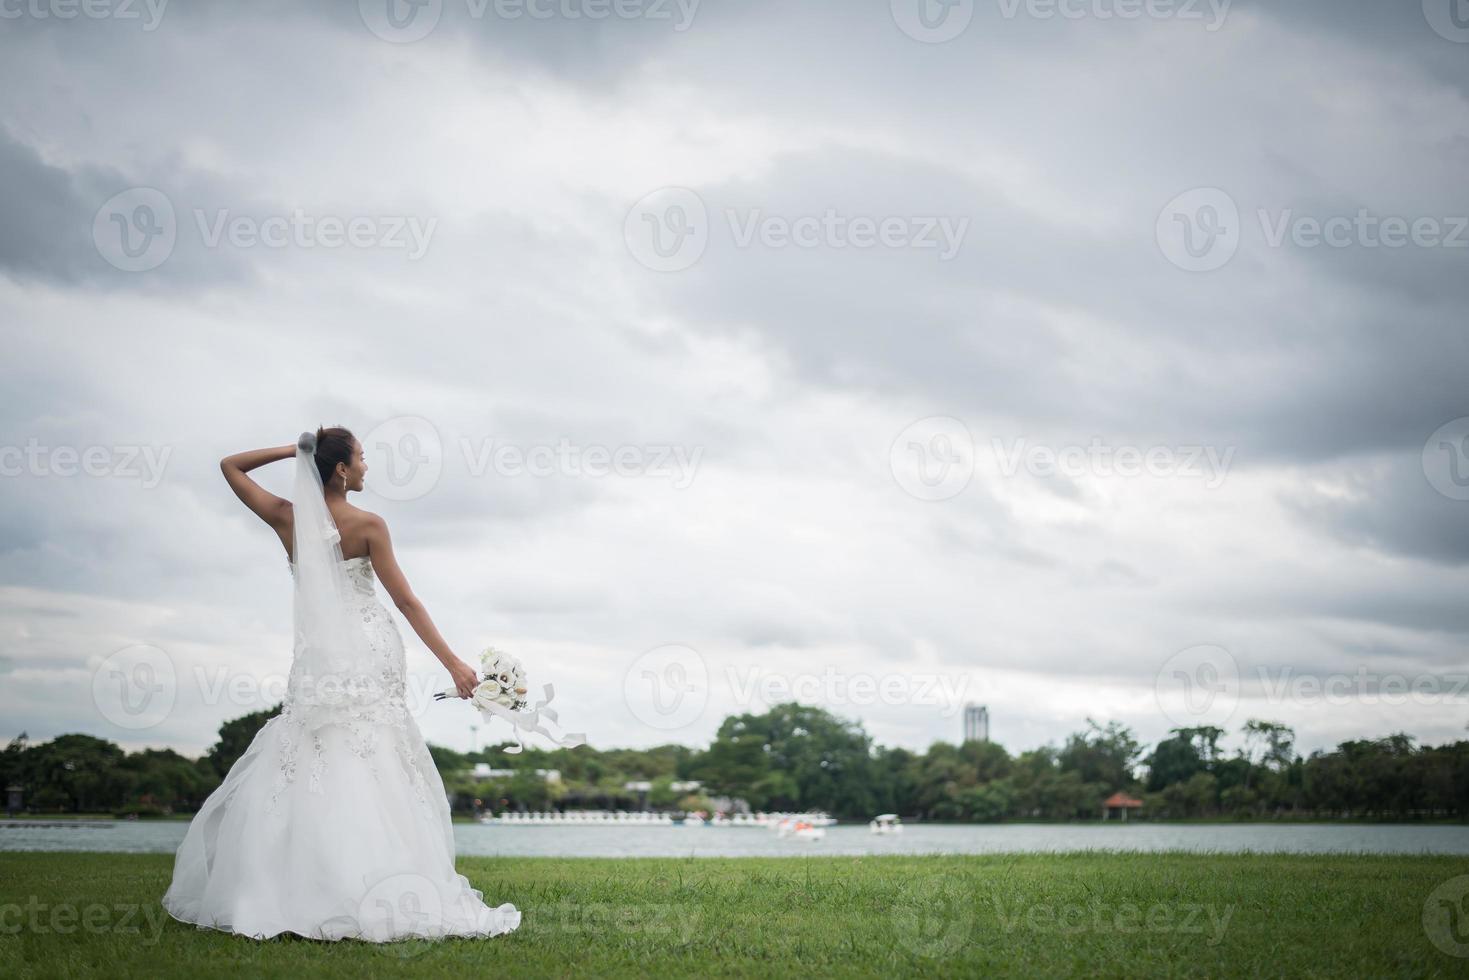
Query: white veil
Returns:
{"type": "Point", "coordinates": [332, 673]}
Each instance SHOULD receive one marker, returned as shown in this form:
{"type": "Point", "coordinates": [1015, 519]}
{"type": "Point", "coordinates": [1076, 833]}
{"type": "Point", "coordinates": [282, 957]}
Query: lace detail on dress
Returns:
{"type": "Point", "coordinates": [366, 727]}
{"type": "Point", "coordinates": [318, 763]}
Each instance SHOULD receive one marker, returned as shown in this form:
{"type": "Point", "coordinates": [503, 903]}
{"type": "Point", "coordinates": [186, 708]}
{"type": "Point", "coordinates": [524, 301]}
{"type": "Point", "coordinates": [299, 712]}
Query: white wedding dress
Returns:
{"type": "Point", "coordinates": [341, 832]}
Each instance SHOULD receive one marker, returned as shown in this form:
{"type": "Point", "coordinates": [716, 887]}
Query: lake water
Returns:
{"type": "Point", "coordinates": [163, 837]}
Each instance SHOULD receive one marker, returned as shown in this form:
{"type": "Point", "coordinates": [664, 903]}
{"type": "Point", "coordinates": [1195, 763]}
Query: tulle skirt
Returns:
{"type": "Point", "coordinates": [342, 833]}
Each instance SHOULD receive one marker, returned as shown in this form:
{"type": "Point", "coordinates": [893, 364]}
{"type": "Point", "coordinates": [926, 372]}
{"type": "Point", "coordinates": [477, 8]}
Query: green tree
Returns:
{"type": "Point", "coordinates": [1173, 760]}
{"type": "Point", "coordinates": [1102, 755]}
{"type": "Point", "coordinates": [235, 737]}
{"type": "Point", "coordinates": [79, 773]}
{"type": "Point", "coordinates": [793, 757]}
{"type": "Point", "coordinates": [1271, 742]}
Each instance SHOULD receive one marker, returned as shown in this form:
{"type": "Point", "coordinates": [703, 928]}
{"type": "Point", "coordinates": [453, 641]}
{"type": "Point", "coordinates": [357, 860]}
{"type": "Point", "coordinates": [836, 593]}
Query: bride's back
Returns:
{"type": "Point", "coordinates": [352, 523]}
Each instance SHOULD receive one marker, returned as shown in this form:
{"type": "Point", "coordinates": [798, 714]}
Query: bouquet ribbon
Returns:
{"type": "Point", "coordinates": [528, 721]}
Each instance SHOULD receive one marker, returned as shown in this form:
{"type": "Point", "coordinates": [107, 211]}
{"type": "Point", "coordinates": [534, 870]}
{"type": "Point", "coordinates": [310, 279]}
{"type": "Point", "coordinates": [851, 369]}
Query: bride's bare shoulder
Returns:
{"type": "Point", "coordinates": [372, 530]}
{"type": "Point", "coordinates": [367, 521]}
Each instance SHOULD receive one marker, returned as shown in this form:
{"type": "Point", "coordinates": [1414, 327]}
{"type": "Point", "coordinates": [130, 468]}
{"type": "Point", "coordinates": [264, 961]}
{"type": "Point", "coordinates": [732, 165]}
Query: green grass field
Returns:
{"type": "Point", "coordinates": [97, 915]}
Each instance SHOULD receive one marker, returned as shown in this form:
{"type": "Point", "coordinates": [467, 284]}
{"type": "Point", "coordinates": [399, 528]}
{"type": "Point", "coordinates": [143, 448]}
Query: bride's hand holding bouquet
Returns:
{"type": "Point", "coordinates": [500, 689]}
{"type": "Point", "coordinates": [464, 677]}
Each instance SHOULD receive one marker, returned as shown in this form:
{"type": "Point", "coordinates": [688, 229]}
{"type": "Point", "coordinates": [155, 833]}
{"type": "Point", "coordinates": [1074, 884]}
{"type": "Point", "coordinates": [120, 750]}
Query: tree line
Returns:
{"type": "Point", "coordinates": [799, 757]}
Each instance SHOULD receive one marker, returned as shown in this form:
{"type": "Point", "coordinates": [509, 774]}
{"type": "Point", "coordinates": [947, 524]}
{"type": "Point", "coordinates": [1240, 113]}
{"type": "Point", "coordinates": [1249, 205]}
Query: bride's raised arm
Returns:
{"type": "Point", "coordinates": [273, 510]}
{"type": "Point", "coordinates": [385, 564]}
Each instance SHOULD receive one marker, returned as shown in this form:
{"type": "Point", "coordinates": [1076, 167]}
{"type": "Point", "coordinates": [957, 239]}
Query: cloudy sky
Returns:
{"type": "Point", "coordinates": [1093, 358]}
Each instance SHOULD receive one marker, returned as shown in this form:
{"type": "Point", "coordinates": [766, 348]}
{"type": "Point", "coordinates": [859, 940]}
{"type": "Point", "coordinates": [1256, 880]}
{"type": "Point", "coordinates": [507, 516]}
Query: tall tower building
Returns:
{"type": "Point", "coordinates": [976, 723]}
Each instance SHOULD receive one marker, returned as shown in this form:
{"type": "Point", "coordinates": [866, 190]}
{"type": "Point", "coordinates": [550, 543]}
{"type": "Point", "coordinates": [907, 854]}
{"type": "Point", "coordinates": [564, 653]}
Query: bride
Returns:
{"type": "Point", "coordinates": [334, 823]}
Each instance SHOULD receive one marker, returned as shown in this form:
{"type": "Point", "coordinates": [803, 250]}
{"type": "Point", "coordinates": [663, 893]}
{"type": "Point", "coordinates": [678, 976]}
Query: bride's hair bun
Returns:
{"type": "Point", "coordinates": [332, 445]}
{"type": "Point", "coordinates": [307, 442]}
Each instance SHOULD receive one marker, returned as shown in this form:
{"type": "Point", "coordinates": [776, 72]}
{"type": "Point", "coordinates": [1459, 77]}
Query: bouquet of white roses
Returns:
{"type": "Point", "coordinates": [502, 680]}
{"type": "Point", "coordinates": [502, 691]}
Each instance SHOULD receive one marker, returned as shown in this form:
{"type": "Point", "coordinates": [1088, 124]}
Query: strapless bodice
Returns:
{"type": "Point", "coordinates": [382, 630]}
{"type": "Point", "coordinates": [345, 561]}
{"type": "Point", "coordinates": [359, 573]}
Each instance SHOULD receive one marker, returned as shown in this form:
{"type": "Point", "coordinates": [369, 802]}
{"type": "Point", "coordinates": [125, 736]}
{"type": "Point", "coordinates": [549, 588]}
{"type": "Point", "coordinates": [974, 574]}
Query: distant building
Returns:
{"type": "Point", "coordinates": [677, 786]}
{"type": "Point", "coordinates": [1118, 805]}
{"type": "Point", "coordinates": [976, 723]}
{"type": "Point", "coordinates": [482, 770]}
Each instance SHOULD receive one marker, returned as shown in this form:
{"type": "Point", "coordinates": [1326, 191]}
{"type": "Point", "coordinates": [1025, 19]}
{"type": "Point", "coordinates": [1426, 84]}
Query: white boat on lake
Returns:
{"type": "Point", "coordinates": [885, 823]}
{"type": "Point", "coordinates": [578, 818]}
